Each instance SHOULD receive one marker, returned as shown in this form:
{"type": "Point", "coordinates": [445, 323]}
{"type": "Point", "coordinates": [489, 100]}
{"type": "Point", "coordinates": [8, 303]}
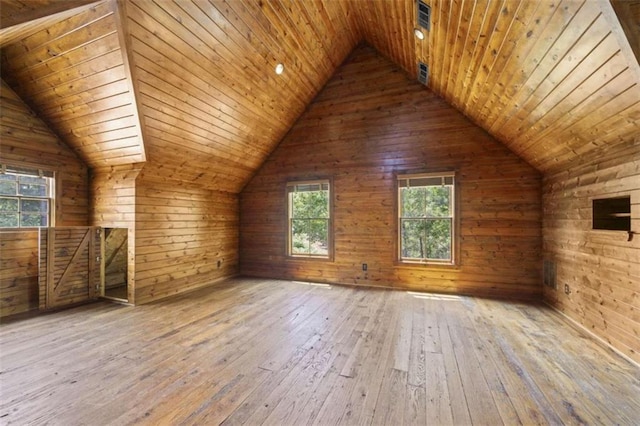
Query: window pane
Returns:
{"type": "Point", "coordinates": [8, 205]}
{"type": "Point", "coordinates": [33, 179]}
{"type": "Point", "coordinates": [7, 187]}
{"type": "Point", "coordinates": [413, 238]}
{"type": "Point", "coordinates": [33, 219]}
{"type": "Point", "coordinates": [318, 236]}
{"type": "Point", "coordinates": [413, 202]}
{"type": "Point", "coordinates": [438, 243]}
{"type": "Point", "coordinates": [311, 204]}
{"type": "Point", "coordinates": [39, 206]}
{"type": "Point", "coordinates": [307, 187]}
{"type": "Point", "coordinates": [299, 236]}
{"type": "Point", "coordinates": [9, 220]}
{"type": "Point", "coordinates": [33, 190]}
{"type": "Point", "coordinates": [438, 201]}
{"type": "Point", "coordinates": [309, 218]}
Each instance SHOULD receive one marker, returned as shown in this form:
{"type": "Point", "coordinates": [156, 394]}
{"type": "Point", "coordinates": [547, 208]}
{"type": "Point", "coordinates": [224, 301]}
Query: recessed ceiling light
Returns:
{"type": "Point", "coordinates": [279, 69]}
{"type": "Point", "coordinates": [419, 34]}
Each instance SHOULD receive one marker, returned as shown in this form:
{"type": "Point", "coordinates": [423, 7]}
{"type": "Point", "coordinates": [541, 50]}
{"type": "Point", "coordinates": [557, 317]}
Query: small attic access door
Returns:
{"type": "Point", "coordinates": [115, 264]}
{"type": "Point", "coordinates": [69, 265]}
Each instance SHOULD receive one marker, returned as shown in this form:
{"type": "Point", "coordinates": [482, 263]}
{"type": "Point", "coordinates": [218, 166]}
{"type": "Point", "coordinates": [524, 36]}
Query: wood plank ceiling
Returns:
{"type": "Point", "coordinates": [73, 74]}
{"type": "Point", "coordinates": [553, 80]}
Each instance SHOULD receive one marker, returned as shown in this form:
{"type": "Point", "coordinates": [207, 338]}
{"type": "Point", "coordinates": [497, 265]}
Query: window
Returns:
{"type": "Point", "coordinates": [426, 226]}
{"type": "Point", "coordinates": [309, 222]}
{"type": "Point", "coordinates": [25, 198]}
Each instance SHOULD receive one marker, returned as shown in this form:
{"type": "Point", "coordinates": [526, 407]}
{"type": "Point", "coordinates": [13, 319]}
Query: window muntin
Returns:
{"type": "Point", "coordinates": [309, 218]}
{"type": "Point", "coordinates": [25, 199]}
{"type": "Point", "coordinates": [426, 213]}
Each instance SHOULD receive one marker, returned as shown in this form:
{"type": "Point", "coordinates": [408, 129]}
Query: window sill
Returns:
{"type": "Point", "coordinates": [425, 265]}
{"type": "Point", "coordinates": [309, 258]}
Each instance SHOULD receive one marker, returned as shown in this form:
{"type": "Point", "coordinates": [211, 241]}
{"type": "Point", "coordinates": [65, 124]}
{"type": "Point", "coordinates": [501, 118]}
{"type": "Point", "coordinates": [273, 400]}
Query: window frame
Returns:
{"type": "Point", "coordinates": [49, 198]}
{"type": "Point", "coordinates": [288, 221]}
{"type": "Point", "coordinates": [454, 262]}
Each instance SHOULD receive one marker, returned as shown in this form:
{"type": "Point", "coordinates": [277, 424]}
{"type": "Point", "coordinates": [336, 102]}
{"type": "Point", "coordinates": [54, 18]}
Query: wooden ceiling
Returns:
{"type": "Point", "coordinates": [195, 80]}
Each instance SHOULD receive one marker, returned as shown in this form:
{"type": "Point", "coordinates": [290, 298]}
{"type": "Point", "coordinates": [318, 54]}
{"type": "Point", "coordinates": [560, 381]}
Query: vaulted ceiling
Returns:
{"type": "Point", "coordinates": [190, 88]}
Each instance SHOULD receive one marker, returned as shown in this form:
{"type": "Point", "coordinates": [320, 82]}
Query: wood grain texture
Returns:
{"type": "Point", "coordinates": [552, 80]}
{"type": "Point", "coordinates": [72, 73]}
{"type": "Point", "coordinates": [69, 265]}
{"type": "Point", "coordinates": [30, 26]}
{"type": "Point", "coordinates": [600, 267]}
{"type": "Point", "coordinates": [186, 237]}
{"type": "Point", "coordinates": [25, 141]}
{"type": "Point", "coordinates": [369, 123]}
{"type": "Point", "coordinates": [113, 205]}
{"type": "Point", "coordinates": [208, 92]}
{"type": "Point", "coordinates": [18, 271]}
{"type": "Point", "coordinates": [16, 12]}
{"type": "Point", "coordinates": [289, 353]}
{"type": "Point", "coordinates": [628, 12]}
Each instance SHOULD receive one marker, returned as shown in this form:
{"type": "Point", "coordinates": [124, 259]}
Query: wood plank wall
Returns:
{"type": "Point", "coordinates": [26, 141]}
{"type": "Point", "coordinates": [186, 236]}
{"type": "Point", "coordinates": [18, 272]}
{"type": "Point", "coordinates": [601, 268]}
{"type": "Point", "coordinates": [368, 123]}
{"type": "Point", "coordinates": [113, 192]}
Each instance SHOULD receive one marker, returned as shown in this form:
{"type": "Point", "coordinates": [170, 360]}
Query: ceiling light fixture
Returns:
{"type": "Point", "coordinates": [419, 34]}
{"type": "Point", "coordinates": [279, 69]}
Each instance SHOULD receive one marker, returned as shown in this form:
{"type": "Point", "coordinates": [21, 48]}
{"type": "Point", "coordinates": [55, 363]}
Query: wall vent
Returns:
{"type": "Point", "coordinates": [549, 274]}
{"type": "Point", "coordinates": [424, 15]}
{"type": "Point", "coordinates": [423, 73]}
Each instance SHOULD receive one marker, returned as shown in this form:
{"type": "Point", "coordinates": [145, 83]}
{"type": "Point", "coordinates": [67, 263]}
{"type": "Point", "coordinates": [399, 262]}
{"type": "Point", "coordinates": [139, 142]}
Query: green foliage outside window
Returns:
{"type": "Point", "coordinates": [426, 222]}
{"type": "Point", "coordinates": [309, 219]}
{"type": "Point", "coordinates": [24, 201]}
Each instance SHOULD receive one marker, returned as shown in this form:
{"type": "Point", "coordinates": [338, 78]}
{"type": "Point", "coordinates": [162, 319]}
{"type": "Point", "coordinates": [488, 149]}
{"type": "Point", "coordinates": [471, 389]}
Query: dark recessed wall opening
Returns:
{"type": "Point", "coordinates": [612, 214]}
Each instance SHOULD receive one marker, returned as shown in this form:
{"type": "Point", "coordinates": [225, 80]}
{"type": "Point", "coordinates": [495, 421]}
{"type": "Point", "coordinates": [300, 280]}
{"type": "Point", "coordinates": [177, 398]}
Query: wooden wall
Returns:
{"type": "Point", "coordinates": [113, 191]}
{"type": "Point", "coordinates": [601, 268]}
{"type": "Point", "coordinates": [18, 272]}
{"type": "Point", "coordinates": [368, 123]}
{"type": "Point", "coordinates": [186, 236]}
{"type": "Point", "coordinates": [26, 141]}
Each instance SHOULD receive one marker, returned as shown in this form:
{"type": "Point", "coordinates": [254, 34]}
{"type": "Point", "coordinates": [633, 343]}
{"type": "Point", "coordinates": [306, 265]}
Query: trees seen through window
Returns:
{"type": "Point", "coordinates": [426, 213]}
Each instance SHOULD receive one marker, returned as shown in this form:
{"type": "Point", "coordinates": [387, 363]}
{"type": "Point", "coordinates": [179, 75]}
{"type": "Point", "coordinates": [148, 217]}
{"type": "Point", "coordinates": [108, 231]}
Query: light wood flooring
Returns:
{"type": "Point", "coordinates": [274, 352]}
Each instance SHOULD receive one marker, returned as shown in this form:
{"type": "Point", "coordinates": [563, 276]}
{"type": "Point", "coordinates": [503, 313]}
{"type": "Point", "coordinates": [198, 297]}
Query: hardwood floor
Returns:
{"type": "Point", "coordinates": [285, 353]}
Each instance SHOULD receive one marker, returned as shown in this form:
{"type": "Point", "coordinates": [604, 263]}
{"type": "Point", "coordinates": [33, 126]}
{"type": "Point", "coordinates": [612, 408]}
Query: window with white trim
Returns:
{"type": "Point", "coordinates": [426, 218]}
{"type": "Point", "coordinates": [309, 219]}
{"type": "Point", "coordinates": [25, 198]}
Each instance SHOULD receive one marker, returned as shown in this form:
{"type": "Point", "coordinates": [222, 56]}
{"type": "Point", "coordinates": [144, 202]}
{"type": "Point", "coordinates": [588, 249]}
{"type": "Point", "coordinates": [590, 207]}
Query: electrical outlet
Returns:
{"type": "Point", "coordinates": [364, 266]}
{"type": "Point", "coordinates": [567, 290]}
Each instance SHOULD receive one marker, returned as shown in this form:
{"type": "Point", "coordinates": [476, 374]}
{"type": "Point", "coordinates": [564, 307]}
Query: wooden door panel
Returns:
{"type": "Point", "coordinates": [69, 265]}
